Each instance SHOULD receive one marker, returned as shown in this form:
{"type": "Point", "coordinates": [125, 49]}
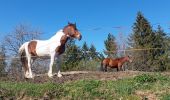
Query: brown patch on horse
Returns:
{"type": "Point", "coordinates": [60, 49]}
{"type": "Point", "coordinates": [32, 48]}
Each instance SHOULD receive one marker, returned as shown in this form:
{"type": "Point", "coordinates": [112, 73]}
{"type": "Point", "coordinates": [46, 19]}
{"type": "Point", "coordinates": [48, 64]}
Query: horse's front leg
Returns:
{"type": "Point", "coordinates": [119, 67]}
{"type": "Point", "coordinates": [59, 74]}
{"type": "Point", "coordinates": [51, 65]}
{"type": "Point", "coordinates": [105, 68]}
{"type": "Point", "coordinates": [123, 68]}
{"type": "Point", "coordinates": [58, 67]}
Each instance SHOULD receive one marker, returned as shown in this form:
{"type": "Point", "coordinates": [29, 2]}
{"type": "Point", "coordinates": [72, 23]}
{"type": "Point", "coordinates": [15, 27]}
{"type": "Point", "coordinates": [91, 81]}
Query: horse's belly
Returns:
{"type": "Point", "coordinates": [41, 53]}
{"type": "Point", "coordinates": [46, 48]}
{"type": "Point", "coordinates": [113, 65]}
{"type": "Point", "coordinates": [42, 50]}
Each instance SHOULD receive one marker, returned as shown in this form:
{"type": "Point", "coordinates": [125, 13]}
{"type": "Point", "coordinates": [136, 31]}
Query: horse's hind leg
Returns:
{"type": "Point", "coordinates": [26, 70]}
{"type": "Point", "coordinates": [28, 56]}
{"type": "Point", "coordinates": [29, 67]}
{"type": "Point", "coordinates": [24, 62]}
{"type": "Point", "coordinates": [101, 67]}
{"type": "Point", "coordinates": [117, 69]}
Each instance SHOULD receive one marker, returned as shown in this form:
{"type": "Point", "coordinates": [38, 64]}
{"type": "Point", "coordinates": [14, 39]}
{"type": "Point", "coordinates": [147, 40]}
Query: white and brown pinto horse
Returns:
{"type": "Point", "coordinates": [53, 47]}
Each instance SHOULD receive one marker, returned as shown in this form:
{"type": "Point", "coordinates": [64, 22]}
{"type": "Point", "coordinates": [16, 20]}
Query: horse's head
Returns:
{"type": "Point", "coordinates": [72, 31]}
{"type": "Point", "coordinates": [128, 58]}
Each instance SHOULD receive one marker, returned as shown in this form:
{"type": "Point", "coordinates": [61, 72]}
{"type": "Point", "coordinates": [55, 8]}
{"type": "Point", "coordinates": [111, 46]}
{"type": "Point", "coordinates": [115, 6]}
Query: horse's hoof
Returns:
{"type": "Point", "coordinates": [28, 76]}
{"type": "Point", "coordinates": [59, 75]}
{"type": "Point", "coordinates": [50, 75]}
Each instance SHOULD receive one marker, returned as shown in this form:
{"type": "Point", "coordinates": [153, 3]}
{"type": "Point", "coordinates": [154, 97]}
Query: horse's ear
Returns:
{"type": "Point", "coordinates": [75, 24]}
{"type": "Point", "coordinates": [69, 23]}
{"type": "Point", "coordinates": [129, 56]}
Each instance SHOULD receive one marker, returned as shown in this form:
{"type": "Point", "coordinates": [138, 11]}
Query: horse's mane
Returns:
{"type": "Point", "coordinates": [120, 58]}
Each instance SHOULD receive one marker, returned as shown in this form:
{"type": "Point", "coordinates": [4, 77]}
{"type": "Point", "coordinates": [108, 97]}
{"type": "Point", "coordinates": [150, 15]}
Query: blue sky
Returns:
{"type": "Point", "coordinates": [94, 18]}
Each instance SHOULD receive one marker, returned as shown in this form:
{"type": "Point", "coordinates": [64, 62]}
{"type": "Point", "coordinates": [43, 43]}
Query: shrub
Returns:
{"type": "Point", "coordinates": [145, 78]}
{"type": "Point", "coordinates": [166, 97]}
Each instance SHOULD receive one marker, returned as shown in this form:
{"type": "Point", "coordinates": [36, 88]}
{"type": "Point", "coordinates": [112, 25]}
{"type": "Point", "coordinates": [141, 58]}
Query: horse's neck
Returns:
{"type": "Point", "coordinates": [61, 37]}
{"type": "Point", "coordinates": [123, 60]}
{"type": "Point", "coordinates": [64, 39]}
{"type": "Point", "coordinates": [57, 36]}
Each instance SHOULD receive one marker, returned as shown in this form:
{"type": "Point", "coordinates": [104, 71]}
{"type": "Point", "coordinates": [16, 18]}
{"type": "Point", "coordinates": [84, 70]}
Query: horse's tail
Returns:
{"type": "Point", "coordinates": [21, 49]}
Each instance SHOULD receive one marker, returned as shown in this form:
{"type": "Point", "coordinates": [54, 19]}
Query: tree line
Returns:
{"type": "Point", "coordinates": [153, 56]}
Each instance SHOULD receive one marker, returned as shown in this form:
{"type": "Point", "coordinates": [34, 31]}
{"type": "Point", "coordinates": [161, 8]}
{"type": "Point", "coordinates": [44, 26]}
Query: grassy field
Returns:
{"type": "Point", "coordinates": [144, 86]}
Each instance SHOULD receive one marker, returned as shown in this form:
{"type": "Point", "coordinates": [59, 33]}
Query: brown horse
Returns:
{"type": "Point", "coordinates": [114, 63]}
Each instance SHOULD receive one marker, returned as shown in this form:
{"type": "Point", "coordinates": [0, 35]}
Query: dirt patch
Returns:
{"type": "Point", "coordinates": [88, 75]}
{"type": "Point", "coordinates": [147, 95]}
{"type": "Point", "coordinates": [77, 75]}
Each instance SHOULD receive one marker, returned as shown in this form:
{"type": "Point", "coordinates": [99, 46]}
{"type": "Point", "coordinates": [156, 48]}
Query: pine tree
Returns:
{"type": "Point", "coordinates": [110, 45]}
{"type": "Point", "coordinates": [85, 51]}
{"type": "Point", "coordinates": [142, 38]}
{"type": "Point", "coordinates": [160, 53]}
{"type": "Point", "coordinates": [93, 53]}
{"type": "Point", "coordinates": [71, 57]}
{"type": "Point", "coordinates": [168, 52]}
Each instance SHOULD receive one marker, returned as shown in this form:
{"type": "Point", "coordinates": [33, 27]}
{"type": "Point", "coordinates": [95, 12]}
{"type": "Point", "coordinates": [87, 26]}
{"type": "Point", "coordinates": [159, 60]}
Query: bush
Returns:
{"type": "Point", "coordinates": [166, 97]}
{"type": "Point", "coordinates": [145, 78]}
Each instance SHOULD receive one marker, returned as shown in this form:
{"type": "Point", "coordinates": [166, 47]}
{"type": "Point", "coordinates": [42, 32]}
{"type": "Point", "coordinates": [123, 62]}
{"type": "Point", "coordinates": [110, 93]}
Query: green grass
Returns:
{"type": "Point", "coordinates": [92, 89]}
{"type": "Point", "coordinates": [35, 90]}
{"type": "Point", "coordinates": [166, 97]}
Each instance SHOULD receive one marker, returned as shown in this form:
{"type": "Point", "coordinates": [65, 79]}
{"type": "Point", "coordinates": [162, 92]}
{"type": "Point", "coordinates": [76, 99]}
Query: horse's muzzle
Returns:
{"type": "Point", "coordinates": [130, 60]}
{"type": "Point", "coordinates": [80, 37]}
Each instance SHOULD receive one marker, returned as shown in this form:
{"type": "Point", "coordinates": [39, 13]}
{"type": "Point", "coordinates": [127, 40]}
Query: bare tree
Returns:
{"type": "Point", "coordinates": [21, 33]}
{"type": "Point", "coordinates": [2, 60]}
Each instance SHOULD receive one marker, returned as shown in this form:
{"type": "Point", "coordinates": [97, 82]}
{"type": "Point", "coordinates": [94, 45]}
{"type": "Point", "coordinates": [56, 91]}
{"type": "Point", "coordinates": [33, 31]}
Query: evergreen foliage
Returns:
{"type": "Point", "coordinates": [85, 51]}
{"type": "Point", "coordinates": [110, 45]}
{"type": "Point", "coordinates": [93, 53]}
{"type": "Point", "coordinates": [72, 56]}
{"type": "Point", "coordinates": [153, 55]}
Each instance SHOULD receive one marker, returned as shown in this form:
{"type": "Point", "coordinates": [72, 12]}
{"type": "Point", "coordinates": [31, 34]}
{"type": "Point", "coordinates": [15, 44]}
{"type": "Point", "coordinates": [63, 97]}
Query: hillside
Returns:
{"type": "Point", "coordinates": [131, 85]}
